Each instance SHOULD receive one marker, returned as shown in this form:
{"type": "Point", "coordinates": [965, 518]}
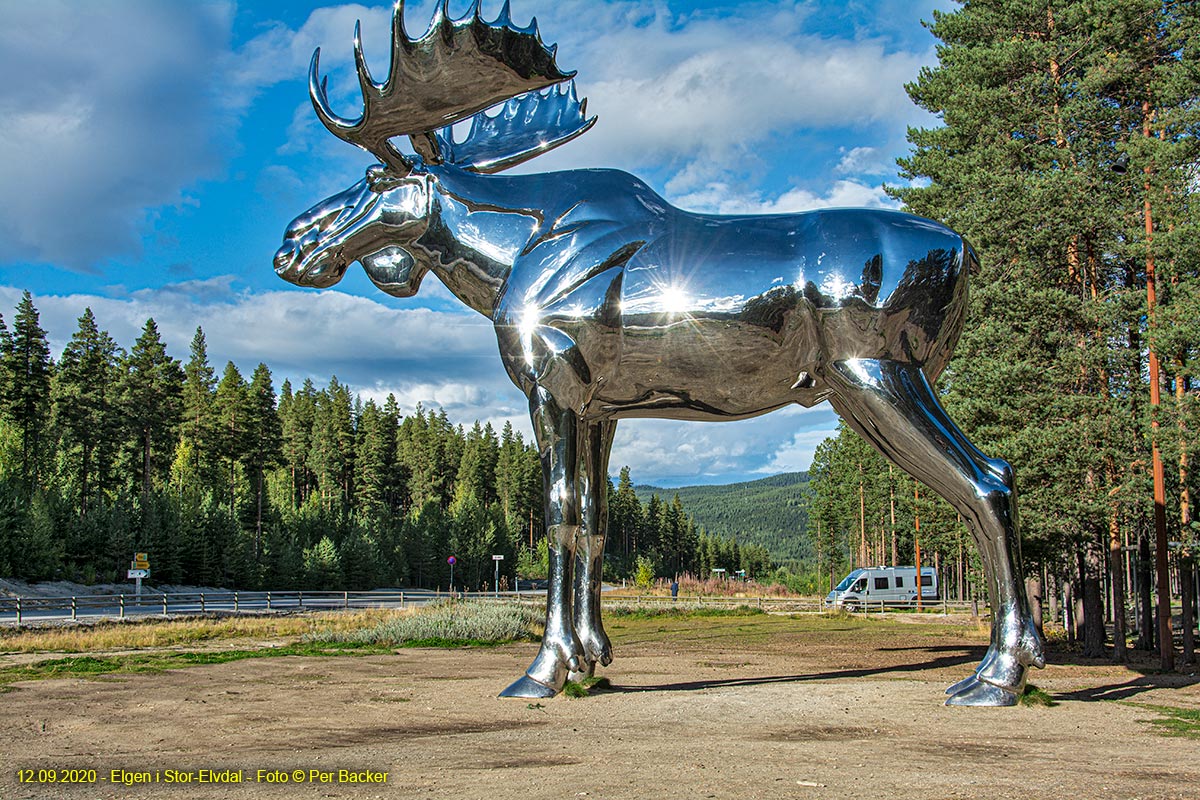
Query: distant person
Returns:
{"type": "Point", "coordinates": [674, 590]}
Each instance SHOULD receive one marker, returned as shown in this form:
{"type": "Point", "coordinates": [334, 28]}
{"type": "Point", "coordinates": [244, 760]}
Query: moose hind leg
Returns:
{"type": "Point", "coordinates": [595, 443]}
{"type": "Point", "coordinates": [555, 430]}
{"type": "Point", "coordinates": [894, 408]}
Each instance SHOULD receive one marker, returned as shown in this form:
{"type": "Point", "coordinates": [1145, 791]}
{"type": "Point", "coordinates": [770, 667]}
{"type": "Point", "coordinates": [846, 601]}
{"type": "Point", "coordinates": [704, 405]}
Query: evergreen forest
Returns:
{"type": "Point", "coordinates": [1068, 154]}
{"type": "Point", "coordinates": [225, 482]}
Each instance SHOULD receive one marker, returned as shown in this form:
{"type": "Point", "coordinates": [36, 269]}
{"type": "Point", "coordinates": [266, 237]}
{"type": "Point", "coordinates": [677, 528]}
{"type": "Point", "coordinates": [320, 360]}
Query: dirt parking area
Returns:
{"type": "Point", "coordinates": [736, 707]}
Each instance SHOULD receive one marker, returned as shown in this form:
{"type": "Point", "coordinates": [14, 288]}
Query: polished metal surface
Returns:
{"type": "Point", "coordinates": [609, 303]}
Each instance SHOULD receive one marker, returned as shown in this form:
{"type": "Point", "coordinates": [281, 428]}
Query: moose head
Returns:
{"type": "Point", "coordinates": [456, 71]}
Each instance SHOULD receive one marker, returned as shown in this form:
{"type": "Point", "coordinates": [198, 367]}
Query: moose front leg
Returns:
{"type": "Point", "coordinates": [556, 430]}
{"type": "Point", "coordinates": [594, 446]}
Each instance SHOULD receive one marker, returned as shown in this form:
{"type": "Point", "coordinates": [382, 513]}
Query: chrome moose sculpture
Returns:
{"type": "Point", "coordinates": [609, 303]}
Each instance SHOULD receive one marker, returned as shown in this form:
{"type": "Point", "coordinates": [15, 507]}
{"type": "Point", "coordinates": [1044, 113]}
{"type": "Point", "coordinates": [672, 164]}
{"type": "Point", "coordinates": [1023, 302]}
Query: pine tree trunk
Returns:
{"type": "Point", "coordinates": [1117, 565]}
{"type": "Point", "coordinates": [1091, 569]}
{"type": "Point", "coordinates": [1187, 587]}
{"type": "Point", "coordinates": [1033, 589]}
{"type": "Point", "coordinates": [1145, 601]}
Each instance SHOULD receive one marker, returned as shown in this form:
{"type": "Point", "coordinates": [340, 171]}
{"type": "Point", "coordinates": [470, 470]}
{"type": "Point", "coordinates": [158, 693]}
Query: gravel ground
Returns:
{"type": "Point", "coordinates": [737, 708]}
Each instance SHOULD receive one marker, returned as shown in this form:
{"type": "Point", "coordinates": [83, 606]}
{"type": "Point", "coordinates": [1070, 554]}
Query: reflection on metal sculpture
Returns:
{"type": "Point", "coordinates": [609, 303]}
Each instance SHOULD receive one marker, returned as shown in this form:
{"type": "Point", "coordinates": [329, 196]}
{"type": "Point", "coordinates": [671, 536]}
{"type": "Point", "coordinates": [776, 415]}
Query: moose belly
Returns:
{"type": "Point", "coordinates": [711, 366]}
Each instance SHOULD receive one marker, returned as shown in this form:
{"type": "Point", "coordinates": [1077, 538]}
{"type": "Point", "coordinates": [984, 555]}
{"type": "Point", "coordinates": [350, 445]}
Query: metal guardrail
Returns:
{"type": "Point", "coordinates": [25, 609]}
{"type": "Point", "coordinates": [801, 604]}
{"type": "Point", "coordinates": [28, 609]}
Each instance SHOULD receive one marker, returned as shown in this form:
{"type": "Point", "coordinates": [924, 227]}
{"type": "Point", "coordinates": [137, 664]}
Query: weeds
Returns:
{"type": "Point", "coordinates": [444, 625]}
{"type": "Point", "coordinates": [586, 687]}
{"type": "Point", "coordinates": [1033, 696]}
{"type": "Point", "coordinates": [1174, 721]}
{"type": "Point", "coordinates": [680, 611]}
{"type": "Point", "coordinates": [95, 666]}
{"type": "Point", "coordinates": [141, 634]}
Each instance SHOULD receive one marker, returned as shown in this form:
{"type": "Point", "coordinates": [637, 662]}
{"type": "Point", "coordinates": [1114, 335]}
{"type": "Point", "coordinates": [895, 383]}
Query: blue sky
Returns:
{"type": "Point", "coordinates": [153, 151]}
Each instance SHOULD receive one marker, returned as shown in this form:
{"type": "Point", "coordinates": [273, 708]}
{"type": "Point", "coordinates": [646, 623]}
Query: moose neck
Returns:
{"type": "Point", "coordinates": [474, 235]}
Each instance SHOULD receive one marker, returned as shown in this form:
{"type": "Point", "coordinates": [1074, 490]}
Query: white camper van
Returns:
{"type": "Point", "coordinates": [880, 586]}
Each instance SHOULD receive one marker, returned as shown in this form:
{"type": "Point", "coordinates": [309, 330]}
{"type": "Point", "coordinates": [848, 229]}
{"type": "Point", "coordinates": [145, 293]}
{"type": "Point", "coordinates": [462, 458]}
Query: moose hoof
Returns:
{"type": "Point", "coordinates": [955, 688]}
{"type": "Point", "coordinates": [596, 648]}
{"type": "Point", "coordinates": [528, 687]}
{"type": "Point", "coordinates": [978, 693]}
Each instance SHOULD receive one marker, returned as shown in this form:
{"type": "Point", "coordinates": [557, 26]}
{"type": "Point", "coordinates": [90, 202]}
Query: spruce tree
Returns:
{"type": "Point", "coordinates": [263, 443]}
{"type": "Point", "coordinates": [26, 364]}
{"type": "Point", "coordinates": [151, 391]}
{"type": "Point", "coordinates": [86, 410]}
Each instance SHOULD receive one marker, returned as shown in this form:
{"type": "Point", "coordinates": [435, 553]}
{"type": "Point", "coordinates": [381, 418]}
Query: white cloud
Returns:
{"type": "Point", "coordinates": [721, 198]}
{"type": "Point", "coordinates": [864, 161]}
{"type": "Point", "coordinates": [704, 91]}
{"type": "Point", "coordinates": [797, 454]}
{"type": "Point", "coordinates": [107, 109]}
{"type": "Point", "coordinates": [696, 452]}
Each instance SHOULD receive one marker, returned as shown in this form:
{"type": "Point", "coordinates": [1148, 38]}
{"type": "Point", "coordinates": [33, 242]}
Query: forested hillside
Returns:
{"type": "Point", "coordinates": [227, 482]}
{"type": "Point", "coordinates": [769, 512]}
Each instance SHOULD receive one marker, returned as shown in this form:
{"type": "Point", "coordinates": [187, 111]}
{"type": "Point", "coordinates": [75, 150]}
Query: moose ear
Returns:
{"type": "Point", "coordinates": [391, 269]}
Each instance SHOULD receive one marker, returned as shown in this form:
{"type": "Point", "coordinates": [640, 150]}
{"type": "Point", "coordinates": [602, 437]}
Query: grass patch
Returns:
{"type": "Point", "coordinates": [143, 634]}
{"type": "Point", "coordinates": [1174, 721]}
{"type": "Point", "coordinates": [95, 666]}
{"type": "Point", "coordinates": [682, 611]}
{"type": "Point", "coordinates": [452, 624]}
{"type": "Point", "coordinates": [586, 687]}
{"type": "Point", "coordinates": [1033, 696]}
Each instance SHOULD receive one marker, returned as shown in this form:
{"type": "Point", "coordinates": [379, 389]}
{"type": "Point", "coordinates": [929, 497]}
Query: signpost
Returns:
{"type": "Point", "coordinates": [451, 561]}
{"type": "Point", "coordinates": [497, 560]}
{"type": "Point", "coordinates": [138, 568]}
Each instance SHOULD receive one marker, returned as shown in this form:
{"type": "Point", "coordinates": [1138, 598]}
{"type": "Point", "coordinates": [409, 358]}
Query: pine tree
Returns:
{"type": "Point", "coordinates": [231, 406]}
{"type": "Point", "coordinates": [626, 519]}
{"type": "Point", "coordinates": [26, 365]}
{"type": "Point", "coordinates": [297, 415]}
{"type": "Point", "coordinates": [86, 407]}
{"type": "Point", "coordinates": [264, 442]}
{"type": "Point", "coordinates": [152, 400]}
{"type": "Point", "coordinates": [199, 429]}
{"type": "Point", "coordinates": [371, 458]}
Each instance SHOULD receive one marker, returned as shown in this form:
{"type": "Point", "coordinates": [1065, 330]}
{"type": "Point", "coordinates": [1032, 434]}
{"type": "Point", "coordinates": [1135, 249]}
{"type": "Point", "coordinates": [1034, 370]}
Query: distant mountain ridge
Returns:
{"type": "Point", "coordinates": [768, 511]}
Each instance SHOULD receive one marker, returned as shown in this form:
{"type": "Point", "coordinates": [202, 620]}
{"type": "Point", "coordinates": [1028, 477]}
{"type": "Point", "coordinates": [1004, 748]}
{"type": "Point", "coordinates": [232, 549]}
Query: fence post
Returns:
{"type": "Point", "coordinates": [74, 609]}
{"type": "Point", "coordinates": [122, 606]}
{"type": "Point", "coordinates": [18, 612]}
{"type": "Point", "coordinates": [402, 599]}
{"type": "Point", "coordinates": [235, 601]}
{"type": "Point", "coordinates": [268, 601]}
{"type": "Point", "coordinates": [164, 599]}
{"type": "Point", "coordinates": [300, 599]}
{"type": "Point", "coordinates": [202, 606]}
{"type": "Point", "coordinates": [345, 599]}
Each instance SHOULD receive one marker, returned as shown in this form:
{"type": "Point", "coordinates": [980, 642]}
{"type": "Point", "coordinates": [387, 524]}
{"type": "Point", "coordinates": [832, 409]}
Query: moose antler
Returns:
{"type": "Point", "coordinates": [524, 127]}
{"type": "Point", "coordinates": [456, 69]}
